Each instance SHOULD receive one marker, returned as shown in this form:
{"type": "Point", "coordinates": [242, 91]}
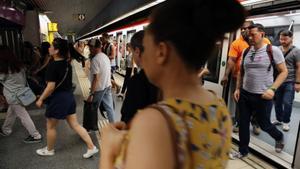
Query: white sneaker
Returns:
{"type": "Point", "coordinates": [276, 122]}
{"type": "Point", "coordinates": [91, 152]}
{"type": "Point", "coordinates": [285, 126]}
{"type": "Point", "coordinates": [45, 152]}
{"type": "Point", "coordinates": [236, 155]}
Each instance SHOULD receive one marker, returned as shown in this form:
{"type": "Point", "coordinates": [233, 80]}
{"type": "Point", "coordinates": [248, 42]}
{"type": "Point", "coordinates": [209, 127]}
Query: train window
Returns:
{"type": "Point", "coordinates": [214, 64]}
{"type": "Point", "coordinates": [273, 33]}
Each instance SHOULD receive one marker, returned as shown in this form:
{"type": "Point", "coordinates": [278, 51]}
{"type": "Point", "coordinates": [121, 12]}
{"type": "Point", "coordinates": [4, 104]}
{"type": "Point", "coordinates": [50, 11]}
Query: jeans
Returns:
{"type": "Point", "coordinates": [249, 103]}
{"type": "Point", "coordinates": [105, 97]}
{"type": "Point", "coordinates": [284, 101]}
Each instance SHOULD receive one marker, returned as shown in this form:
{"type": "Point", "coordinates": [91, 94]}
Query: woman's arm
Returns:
{"type": "Point", "coordinates": [47, 92]}
{"type": "Point", "coordinates": [150, 145]}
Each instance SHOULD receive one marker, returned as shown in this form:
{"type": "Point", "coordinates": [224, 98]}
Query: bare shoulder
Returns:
{"type": "Point", "coordinates": [148, 119]}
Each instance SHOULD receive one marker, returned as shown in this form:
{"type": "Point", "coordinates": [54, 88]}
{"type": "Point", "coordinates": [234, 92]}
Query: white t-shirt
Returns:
{"type": "Point", "coordinates": [100, 64]}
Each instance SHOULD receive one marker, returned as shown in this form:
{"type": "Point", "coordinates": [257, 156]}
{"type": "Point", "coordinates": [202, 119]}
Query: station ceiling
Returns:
{"type": "Point", "coordinates": [71, 15]}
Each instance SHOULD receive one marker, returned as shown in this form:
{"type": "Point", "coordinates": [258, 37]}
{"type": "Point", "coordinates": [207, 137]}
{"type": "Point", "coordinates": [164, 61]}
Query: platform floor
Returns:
{"type": "Point", "coordinates": [14, 154]}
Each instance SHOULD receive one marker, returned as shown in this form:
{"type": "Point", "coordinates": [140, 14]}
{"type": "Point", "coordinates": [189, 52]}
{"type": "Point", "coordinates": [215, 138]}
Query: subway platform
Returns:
{"type": "Point", "coordinates": [15, 154]}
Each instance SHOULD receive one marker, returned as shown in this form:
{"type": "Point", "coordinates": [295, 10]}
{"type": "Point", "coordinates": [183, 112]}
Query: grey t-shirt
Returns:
{"type": "Point", "coordinates": [291, 59]}
{"type": "Point", "coordinates": [12, 84]}
{"type": "Point", "coordinates": [257, 78]}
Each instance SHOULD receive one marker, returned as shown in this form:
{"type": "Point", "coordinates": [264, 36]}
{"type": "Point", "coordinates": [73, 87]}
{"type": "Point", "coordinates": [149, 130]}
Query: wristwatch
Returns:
{"type": "Point", "coordinates": [273, 89]}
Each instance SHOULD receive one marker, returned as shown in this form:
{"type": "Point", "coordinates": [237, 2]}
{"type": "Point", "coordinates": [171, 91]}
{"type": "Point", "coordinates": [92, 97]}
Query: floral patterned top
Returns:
{"type": "Point", "coordinates": [202, 134]}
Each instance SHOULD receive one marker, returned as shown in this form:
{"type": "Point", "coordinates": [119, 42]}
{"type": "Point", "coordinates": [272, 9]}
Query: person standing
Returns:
{"type": "Point", "coordinates": [256, 88]}
{"type": "Point", "coordinates": [285, 94]}
{"type": "Point", "coordinates": [13, 78]}
{"type": "Point", "coordinates": [234, 65]}
{"type": "Point", "coordinates": [61, 103]}
{"type": "Point", "coordinates": [140, 92]}
{"type": "Point", "coordinates": [191, 127]}
{"type": "Point", "coordinates": [100, 77]}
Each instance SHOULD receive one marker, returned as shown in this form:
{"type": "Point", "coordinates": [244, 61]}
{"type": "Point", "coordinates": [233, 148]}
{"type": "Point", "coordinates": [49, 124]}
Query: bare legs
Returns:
{"type": "Point", "coordinates": [73, 123]}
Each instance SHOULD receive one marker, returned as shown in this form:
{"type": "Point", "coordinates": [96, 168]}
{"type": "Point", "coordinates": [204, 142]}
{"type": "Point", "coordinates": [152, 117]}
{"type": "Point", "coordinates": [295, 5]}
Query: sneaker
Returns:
{"type": "Point", "coordinates": [31, 139]}
{"type": "Point", "coordinates": [3, 134]}
{"type": "Point", "coordinates": [236, 155]}
{"type": "Point", "coordinates": [279, 145]}
{"type": "Point", "coordinates": [256, 130]}
{"type": "Point", "coordinates": [285, 126]}
{"type": "Point", "coordinates": [91, 152]}
{"type": "Point", "coordinates": [276, 122]}
{"type": "Point", "coordinates": [45, 152]}
{"type": "Point", "coordinates": [236, 128]}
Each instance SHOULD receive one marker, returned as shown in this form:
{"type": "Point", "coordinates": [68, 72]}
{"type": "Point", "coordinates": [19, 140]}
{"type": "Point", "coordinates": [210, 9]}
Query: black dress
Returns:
{"type": "Point", "coordinates": [61, 103]}
{"type": "Point", "coordinates": [140, 93]}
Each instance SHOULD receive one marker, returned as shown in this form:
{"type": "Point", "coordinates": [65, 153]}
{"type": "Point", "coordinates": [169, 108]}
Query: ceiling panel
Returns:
{"type": "Point", "coordinates": [66, 12]}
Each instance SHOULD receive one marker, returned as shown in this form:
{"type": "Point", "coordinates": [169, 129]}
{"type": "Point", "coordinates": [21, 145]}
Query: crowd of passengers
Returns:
{"type": "Point", "coordinates": [168, 119]}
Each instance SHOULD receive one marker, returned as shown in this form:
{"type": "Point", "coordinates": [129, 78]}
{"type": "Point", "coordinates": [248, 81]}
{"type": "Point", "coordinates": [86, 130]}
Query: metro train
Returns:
{"type": "Point", "coordinates": [275, 16]}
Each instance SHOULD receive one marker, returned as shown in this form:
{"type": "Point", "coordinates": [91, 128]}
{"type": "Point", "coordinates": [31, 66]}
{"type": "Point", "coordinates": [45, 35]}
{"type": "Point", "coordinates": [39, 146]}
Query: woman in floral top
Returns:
{"type": "Point", "coordinates": [191, 127]}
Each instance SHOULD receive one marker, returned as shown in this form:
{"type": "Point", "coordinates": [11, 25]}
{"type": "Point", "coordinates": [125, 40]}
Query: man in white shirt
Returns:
{"type": "Point", "coordinates": [100, 73]}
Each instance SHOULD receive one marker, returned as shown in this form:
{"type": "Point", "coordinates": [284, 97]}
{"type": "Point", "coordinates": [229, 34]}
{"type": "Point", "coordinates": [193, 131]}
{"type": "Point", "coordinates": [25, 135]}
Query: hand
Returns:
{"type": "Point", "coordinates": [112, 136]}
{"type": "Point", "coordinates": [39, 103]}
{"type": "Point", "coordinates": [297, 88]}
{"type": "Point", "coordinates": [224, 80]}
{"type": "Point", "coordinates": [268, 94]}
{"type": "Point", "coordinates": [90, 98]}
{"type": "Point", "coordinates": [236, 95]}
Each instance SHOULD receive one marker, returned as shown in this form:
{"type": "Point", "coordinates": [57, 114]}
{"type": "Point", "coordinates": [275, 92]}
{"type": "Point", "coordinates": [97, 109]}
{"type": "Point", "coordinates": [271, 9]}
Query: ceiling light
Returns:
{"type": "Point", "coordinates": [262, 18]}
{"type": "Point", "coordinates": [292, 14]}
{"type": "Point", "coordinates": [11, 8]}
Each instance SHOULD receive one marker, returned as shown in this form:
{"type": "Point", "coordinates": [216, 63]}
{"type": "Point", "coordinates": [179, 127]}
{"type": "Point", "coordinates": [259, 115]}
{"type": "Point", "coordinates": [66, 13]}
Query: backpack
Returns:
{"type": "Point", "coordinates": [272, 62]}
{"type": "Point", "coordinates": [107, 49]}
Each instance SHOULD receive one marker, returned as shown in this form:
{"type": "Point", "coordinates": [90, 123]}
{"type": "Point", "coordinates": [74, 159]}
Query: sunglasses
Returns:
{"type": "Point", "coordinates": [252, 56]}
{"type": "Point", "coordinates": [244, 28]}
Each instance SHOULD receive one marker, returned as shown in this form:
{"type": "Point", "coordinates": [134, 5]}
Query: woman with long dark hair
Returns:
{"type": "Point", "coordinates": [61, 102]}
{"type": "Point", "coordinates": [13, 78]}
{"type": "Point", "coordinates": [191, 127]}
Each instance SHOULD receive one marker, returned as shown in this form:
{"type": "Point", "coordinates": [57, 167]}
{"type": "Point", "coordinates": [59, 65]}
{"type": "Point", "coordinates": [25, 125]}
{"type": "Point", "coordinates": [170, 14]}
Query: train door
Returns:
{"type": "Point", "coordinates": [217, 65]}
{"type": "Point", "coordinates": [119, 47]}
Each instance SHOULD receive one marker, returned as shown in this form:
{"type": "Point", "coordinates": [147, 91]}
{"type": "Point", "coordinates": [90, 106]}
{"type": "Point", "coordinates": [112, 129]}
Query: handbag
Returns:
{"type": "Point", "coordinates": [90, 116]}
{"type": "Point", "coordinates": [25, 96]}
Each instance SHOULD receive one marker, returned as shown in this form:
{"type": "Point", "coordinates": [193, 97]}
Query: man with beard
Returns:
{"type": "Point", "coordinates": [285, 94]}
{"type": "Point", "coordinates": [233, 65]}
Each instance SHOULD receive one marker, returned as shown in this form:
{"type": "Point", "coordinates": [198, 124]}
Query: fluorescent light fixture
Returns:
{"type": "Point", "coordinates": [262, 18]}
{"type": "Point", "coordinates": [127, 15]}
{"type": "Point", "coordinates": [11, 9]}
{"type": "Point", "coordinates": [292, 14]}
{"type": "Point", "coordinates": [253, 2]}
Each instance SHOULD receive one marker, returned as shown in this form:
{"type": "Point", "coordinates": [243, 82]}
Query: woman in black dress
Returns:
{"type": "Point", "coordinates": [61, 105]}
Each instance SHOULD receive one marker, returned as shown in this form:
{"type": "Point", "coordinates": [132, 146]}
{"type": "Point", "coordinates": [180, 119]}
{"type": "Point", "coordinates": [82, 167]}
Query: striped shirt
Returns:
{"type": "Point", "coordinates": [257, 78]}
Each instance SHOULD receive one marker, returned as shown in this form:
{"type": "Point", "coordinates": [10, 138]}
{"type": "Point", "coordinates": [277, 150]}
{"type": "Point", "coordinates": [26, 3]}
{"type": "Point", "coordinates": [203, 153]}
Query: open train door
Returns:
{"type": "Point", "coordinates": [216, 65]}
